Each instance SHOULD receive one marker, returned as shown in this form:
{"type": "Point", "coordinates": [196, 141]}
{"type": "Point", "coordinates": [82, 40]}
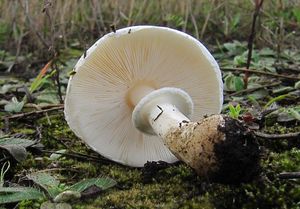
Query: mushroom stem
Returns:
{"type": "Point", "coordinates": [166, 117]}
{"type": "Point", "coordinates": [165, 108]}
{"type": "Point", "coordinates": [191, 142]}
{"type": "Point", "coordinates": [136, 93]}
{"type": "Point", "coordinates": [216, 147]}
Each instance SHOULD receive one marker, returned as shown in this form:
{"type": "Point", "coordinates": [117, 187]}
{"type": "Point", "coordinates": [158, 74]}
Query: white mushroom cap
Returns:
{"type": "Point", "coordinates": [97, 107]}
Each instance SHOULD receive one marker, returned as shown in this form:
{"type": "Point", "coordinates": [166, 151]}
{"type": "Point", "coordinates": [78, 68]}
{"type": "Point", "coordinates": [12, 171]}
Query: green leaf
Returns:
{"type": "Point", "coordinates": [275, 99]}
{"type": "Point", "coordinates": [239, 60]}
{"type": "Point", "coordinates": [16, 147]}
{"type": "Point", "coordinates": [48, 96]}
{"type": "Point", "coordinates": [238, 83]}
{"type": "Point", "coordinates": [40, 79]}
{"type": "Point", "coordinates": [67, 195]}
{"type": "Point", "coordinates": [296, 13]}
{"type": "Point", "coordinates": [14, 105]}
{"type": "Point", "coordinates": [295, 113]}
{"type": "Point", "coordinates": [43, 179]}
{"type": "Point", "coordinates": [103, 183]}
{"type": "Point", "coordinates": [46, 181]}
{"type": "Point", "coordinates": [16, 194]}
{"type": "Point", "coordinates": [259, 94]}
{"type": "Point", "coordinates": [233, 83]}
{"type": "Point", "coordinates": [297, 85]}
{"type": "Point", "coordinates": [229, 82]}
{"type": "Point", "coordinates": [267, 52]}
{"type": "Point", "coordinates": [16, 141]}
{"type": "Point", "coordinates": [238, 108]}
{"type": "Point", "coordinates": [282, 89]}
{"type": "Point", "coordinates": [5, 167]}
{"type": "Point", "coordinates": [253, 100]}
{"type": "Point", "coordinates": [57, 154]}
{"type": "Point", "coordinates": [14, 189]}
{"type": "Point", "coordinates": [235, 21]}
{"type": "Point", "coordinates": [18, 152]}
{"type": "Point", "coordinates": [232, 111]}
{"type": "Point", "coordinates": [235, 47]}
{"type": "Point", "coordinates": [255, 56]}
{"type": "Point", "coordinates": [8, 88]}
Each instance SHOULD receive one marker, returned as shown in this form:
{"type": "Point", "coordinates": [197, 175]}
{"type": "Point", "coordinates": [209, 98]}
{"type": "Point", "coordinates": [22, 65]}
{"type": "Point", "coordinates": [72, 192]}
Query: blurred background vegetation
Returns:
{"type": "Point", "coordinates": [36, 28]}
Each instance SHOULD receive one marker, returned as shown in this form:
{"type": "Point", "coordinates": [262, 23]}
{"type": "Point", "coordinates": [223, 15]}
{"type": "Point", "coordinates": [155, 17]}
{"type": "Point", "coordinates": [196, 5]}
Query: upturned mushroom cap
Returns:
{"type": "Point", "coordinates": [97, 107]}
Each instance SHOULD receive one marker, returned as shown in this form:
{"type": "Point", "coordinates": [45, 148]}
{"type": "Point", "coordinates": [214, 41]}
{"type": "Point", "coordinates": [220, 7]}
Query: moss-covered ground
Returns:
{"type": "Point", "coordinates": [167, 186]}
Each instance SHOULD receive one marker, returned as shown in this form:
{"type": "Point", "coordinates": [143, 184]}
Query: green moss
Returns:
{"type": "Point", "coordinates": [282, 144]}
{"type": "Point", "coordinates": [278, 128]}
{"type": "Point", "coordinates": [26, 131]}
{"type": "Point", "coordinates": [268, 191]}
{"type": "Point", "coordinates": [55, 131]}
{"type": "Point", "coordinates": [30, 204]}
{"type": "Point", "coordinates": [176, 186]}
{"type": "Point", "coordinates": [286, 161]}
{"type": "Point", "coordinates": [173, 187]}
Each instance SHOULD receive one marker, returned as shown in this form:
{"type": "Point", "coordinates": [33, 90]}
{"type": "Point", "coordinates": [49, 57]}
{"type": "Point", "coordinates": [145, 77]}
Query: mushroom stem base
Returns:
{"type": "Point", "coordinates": [218, 147]}
{"type": "Point", "coordinates": [194, 142]}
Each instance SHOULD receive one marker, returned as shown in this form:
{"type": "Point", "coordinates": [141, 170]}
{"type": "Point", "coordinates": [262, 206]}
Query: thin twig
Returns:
{"type": "Point", "coordinates": [258, 4]}
{"type": "Point", "coordinates": [58, 82]}
{"type": "Point", "coordinates": [277, 136]}
{"type": "Point", "coordinates": [294, 67]}
{"type": "Point", "coordinates": [260, 72]}
{"type": "Point", "coordinates": [6, 125]}
{"type": "Point", "coordinates": [131, 8]}
{"type": "Point", "coordinates": [186, 16]}
{"type": "Point", "coordinates": [4, 159]}
{"type": "Point", "coordinates": [207, 19]}
{"type": "Point", "coordinates": [194, 21]}
{"type": "Point", "coordinates": [80, 156]}
{"type": "Point", "coordinates": [32, 27]}
{"type": "Point", "coordinates": [140, 12]}
{"type": "Point", "coordinates": [38, 133]}
{"type": "Point", "coordinates": [41, 107]}
{"type": "Point", "coordinates": [25, 114]}
{"type": "Point", "coordinates": [254, 89]}
{"type": "Point", "coordinates": [289, 175]}
{"type": "Point", "coordinates": [59, 169]}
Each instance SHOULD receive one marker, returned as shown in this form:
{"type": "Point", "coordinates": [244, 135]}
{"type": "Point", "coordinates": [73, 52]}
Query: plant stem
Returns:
{"type": "Point", "coordinates": [25, 114]}
{"type": "Point", "coordinates": [254, 89]}
{"type": "Point", "coordinates": [58, 83]}
{"type": "Point", "coordinates": [289, 175]}
{"type": "Point", "coordinates": [258, 4]}
{"type": "Point", "coordinates": [80, 156]}
{"type": "Point", "coordinates": [277, 136]}
{"type": "Point", "coordinates": [260, 72]}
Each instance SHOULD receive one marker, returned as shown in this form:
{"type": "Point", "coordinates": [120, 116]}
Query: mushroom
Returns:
{"type": "Point", "coordinates": [135, 92]}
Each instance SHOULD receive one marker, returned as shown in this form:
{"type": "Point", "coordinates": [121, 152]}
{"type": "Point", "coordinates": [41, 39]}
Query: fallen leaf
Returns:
{"type": "Point", "coordinates": [14, 105]}
{"type": "Point", "coordinates": [18, 152]}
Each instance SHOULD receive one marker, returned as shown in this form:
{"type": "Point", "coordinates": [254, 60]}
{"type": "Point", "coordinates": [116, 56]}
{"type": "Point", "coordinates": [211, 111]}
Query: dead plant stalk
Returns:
{"type": "Point", "coordinates": [258, 5]}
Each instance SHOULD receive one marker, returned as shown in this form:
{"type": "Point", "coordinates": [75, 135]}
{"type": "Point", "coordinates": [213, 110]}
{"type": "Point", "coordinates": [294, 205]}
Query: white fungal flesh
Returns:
{"type": "Point", "coordinates": [165, 118]}
{"type": "Point", "coordinates": [167, 97]}
{"type": "Point", "coordinates": [97, 107]}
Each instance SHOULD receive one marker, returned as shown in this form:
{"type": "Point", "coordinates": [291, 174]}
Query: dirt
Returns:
{"type": "Point", "coordinates": [238, 156]}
